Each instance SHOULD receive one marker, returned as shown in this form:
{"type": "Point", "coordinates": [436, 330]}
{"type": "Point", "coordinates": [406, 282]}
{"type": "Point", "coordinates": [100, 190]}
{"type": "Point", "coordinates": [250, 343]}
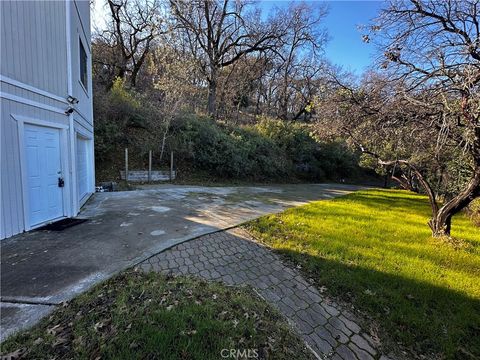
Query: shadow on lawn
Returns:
{"type": "Point", "coordinates": [425, 319]}
{"type": "Point", "coordinates": [427, 315]}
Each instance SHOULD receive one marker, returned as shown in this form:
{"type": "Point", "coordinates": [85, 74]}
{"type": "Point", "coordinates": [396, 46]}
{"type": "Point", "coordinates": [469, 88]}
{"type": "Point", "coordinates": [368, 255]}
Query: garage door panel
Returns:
{"type": "Point", "coordinates": [82, 168]}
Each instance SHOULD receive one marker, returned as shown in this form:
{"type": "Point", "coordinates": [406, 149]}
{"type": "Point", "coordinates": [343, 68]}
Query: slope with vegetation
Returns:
{"type": "Point", "coordinates": [268, 150]}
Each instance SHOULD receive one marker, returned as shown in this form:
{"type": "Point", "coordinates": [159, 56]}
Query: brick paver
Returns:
{"type": "Point", "coordinates": [234, 258]}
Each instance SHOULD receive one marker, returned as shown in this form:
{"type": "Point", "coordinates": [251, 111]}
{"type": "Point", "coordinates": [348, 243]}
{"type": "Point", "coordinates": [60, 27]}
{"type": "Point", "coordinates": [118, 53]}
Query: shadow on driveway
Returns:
{"type": "Point", "coordinates": [41, 269]}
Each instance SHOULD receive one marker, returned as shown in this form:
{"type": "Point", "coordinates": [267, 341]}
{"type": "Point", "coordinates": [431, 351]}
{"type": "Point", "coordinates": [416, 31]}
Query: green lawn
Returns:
{"type": "Point", "coordinates": [374, 249]}
{"type": "Point", "coordinates": [149, 316]}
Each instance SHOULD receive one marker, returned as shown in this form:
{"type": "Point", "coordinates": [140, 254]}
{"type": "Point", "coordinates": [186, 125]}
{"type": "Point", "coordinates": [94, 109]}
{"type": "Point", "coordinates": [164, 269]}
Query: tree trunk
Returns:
{"type": "Point", "coordinates": [137, 65]}
{"type": "Point", "coordinates": [212, 98]}
{"type": "Point", "coordinates": [404, 184]}
{"type": "Point", "coordinates": [212, 93]}
{"type": "Point", "coordinates": [406, 181]}
{"type": "Point", "coordinates": [441, 222]}
{"type": "Point", "coordinates": [385, 180]}
{"type": "Point", "coordinates": [283, 108]}
{"type": "Point", "coordinates": [162, 147]}
{"type": "Point", "coordinates": [440, 225]}
{"type": "Point", "coordinates": [257, 105]}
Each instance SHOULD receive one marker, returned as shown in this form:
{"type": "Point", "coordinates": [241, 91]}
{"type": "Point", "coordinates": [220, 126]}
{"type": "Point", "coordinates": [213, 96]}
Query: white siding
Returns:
{"type": "Point", "coordinates": [80, 31]}
{"type": "Point", "coordinates": [33, 44]}
{"type": "Point", "coordinates": [34, 85]}
{"type": "Point", "coordinates": [11, 189]}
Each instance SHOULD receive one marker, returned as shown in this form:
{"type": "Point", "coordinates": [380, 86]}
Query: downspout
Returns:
{"type": "Point", "coordinates": [73, 208]}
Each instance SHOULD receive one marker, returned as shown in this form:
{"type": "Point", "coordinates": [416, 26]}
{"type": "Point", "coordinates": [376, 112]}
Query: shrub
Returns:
{"type": "Point", "coordinates": [270, 150]}
{"type": "Point", "coordinates": [226, 152]}
{"type": "Point", "coordinates": [123, 118]}
{"type": "Point", "coordinates": [312, 159]}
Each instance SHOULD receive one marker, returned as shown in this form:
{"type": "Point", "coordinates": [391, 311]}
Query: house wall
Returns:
{"type": "Point", "coordinates": [39, 68]}
{"type": "Point", "coordinates": [33, 31]}
{"type": "Point", "coordinates": [80, 31]}
{"type": "Point", "coordinates": [82, 118]}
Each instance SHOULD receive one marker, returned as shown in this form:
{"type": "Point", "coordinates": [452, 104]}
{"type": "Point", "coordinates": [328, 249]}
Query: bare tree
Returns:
{"type": "Point", "coordinates": [133, 27]}
{"type": "Point", "coordinates": [173, 80]}
{"type": "Point", "coordinates": [301, 50]}
{"type": "Point", "coordinates": [425, 107]}
{"type": "Point", "coordinates": [221, 33]}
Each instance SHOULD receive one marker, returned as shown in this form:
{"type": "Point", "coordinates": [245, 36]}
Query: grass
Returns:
{"type": "Point", "coordinates": [150, 316]}
{"type": "Point", "coordinates": [373, 249]}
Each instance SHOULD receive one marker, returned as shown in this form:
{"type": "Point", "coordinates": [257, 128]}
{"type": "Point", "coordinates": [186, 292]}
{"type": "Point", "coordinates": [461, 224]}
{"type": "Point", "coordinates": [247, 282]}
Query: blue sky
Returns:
{"type": "Point", "coordinates": [345, 47]}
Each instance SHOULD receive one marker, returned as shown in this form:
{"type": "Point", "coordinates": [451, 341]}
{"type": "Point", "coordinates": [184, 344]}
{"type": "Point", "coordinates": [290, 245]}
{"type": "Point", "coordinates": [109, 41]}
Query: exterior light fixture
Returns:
{"type": "Point", "coordinates": [72, 100]}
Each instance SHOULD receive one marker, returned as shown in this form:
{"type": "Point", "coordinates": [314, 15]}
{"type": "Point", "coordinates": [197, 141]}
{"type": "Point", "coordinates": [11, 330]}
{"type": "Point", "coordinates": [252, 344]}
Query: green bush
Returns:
{"type": "Point", "coordinates": [312, 159]}
{"type": "Point", "coordinates": [226, 152]}
{"type": "Point", "coordinates": [270, 150]}
{"type": "Point", "coordinates": [124, 119]}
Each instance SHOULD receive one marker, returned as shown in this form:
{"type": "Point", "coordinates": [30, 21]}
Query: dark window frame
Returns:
{"type": "Point", "coordinates": [83, 58]}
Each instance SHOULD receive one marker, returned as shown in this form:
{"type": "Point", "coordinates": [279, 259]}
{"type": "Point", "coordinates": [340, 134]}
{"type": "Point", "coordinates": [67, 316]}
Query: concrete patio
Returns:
{"type": "Point", "coordinates": [42, 269]}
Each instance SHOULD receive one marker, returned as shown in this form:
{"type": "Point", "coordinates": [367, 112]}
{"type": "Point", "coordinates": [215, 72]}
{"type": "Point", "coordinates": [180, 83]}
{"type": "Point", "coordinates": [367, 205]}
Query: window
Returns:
{"type": "Point", "coordinates": [83, 65]}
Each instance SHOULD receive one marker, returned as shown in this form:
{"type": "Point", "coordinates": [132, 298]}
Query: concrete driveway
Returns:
{"type": "Point", "coordinates": [41, 269]}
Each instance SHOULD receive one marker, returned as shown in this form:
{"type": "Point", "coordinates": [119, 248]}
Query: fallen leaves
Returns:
{"type": "Point", "coordinates": [99, 325]}
{"type": "Point", "coordinates": [79, 341]}
{"type": "Point", "coordinates": [60, 340]}
{"type": "Point", "coordinates": [189, 332]}
{"type": "Point", "coordinates": [130, 303]}
{"type": "Point", "coordinates": [14, 355]}
{"type": "Point", "coordinates": [322, 289]}
{"type": "Point", "coordinates": [54, 330]}
{"type": "Point", "coordinates": [38, 341]}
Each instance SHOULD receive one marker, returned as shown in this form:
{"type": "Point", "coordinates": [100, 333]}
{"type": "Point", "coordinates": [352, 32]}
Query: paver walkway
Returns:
{"type": "Point", "coordinates": [234, 258]}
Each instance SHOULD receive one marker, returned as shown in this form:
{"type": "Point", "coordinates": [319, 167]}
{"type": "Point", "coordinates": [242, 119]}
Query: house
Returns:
{"type": "Point", "coordinates": [46, 133]}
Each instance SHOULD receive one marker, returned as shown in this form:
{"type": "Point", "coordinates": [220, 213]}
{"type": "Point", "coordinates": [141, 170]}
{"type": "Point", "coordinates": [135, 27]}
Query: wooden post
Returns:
{"type": "Point", "coordinates": [126, 164]}
{"type": "Point", "coordinates": [150, 166]}
{"type": "Point", "coordinates": [171, 166]}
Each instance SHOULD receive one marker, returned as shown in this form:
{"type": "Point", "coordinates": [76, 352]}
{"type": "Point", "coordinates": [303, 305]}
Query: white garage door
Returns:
{"type": "Point", "coordinates": [44, 174]}
{"type": "Point", "coordinates": [82, 168]}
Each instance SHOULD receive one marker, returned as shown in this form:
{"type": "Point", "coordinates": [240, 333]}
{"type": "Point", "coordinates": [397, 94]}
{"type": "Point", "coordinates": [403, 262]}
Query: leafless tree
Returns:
{"type": "Point", "coordinates": [133, 27]}
{"type": "Point", "coordinates": [300, 53]}
{"type": "Point", "coordinates": [221, 33]}
{"type": "Point", "coordinates": [426, 104]}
